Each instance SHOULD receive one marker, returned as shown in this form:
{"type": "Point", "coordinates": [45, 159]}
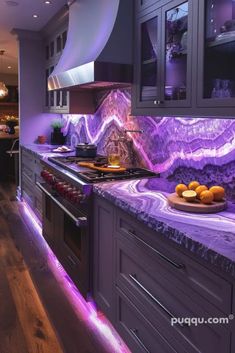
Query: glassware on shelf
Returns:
{"type": "Point", "coordinates": [221, 89]}
{"type": "Point", "coordinates": [226, 92]}
{"type": "Point", "coordinates": [216, 92]}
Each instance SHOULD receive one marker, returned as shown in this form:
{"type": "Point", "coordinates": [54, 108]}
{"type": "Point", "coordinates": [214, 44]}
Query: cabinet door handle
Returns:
{"type": "Point", "coordinates": [134, 332]}
{"type": "Point", "coordinates": [162, 256]}
{"type": "Point", "coordinates": [134, 279]}
{"type": "Point", "coordinates": [158, 102]}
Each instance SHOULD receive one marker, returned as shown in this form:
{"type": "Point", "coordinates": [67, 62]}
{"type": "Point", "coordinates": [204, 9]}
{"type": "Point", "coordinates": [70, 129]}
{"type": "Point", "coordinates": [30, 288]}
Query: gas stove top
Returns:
{"type": "Point", "coordinates": [93, 176]}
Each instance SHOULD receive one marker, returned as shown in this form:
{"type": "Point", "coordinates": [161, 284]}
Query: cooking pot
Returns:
{"type": "Point", "coordinates": [86, 150]}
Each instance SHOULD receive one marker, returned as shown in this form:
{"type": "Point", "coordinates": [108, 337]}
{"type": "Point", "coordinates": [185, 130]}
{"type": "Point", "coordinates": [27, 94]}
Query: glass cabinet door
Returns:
{"type": "Point", "coordinates": [177, 54]}
{"type": "Point", "coordinates": [217, 53]}
{"type": "Point", "coordinates": [148, 68]}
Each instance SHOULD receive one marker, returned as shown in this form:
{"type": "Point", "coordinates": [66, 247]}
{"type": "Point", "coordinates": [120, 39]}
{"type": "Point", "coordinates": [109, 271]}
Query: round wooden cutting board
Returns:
{"type": "Point", "coordinates": [195, 207]}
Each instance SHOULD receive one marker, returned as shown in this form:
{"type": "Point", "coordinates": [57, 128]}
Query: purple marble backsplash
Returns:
{"type": "Point", "coordinates": [181, 149]}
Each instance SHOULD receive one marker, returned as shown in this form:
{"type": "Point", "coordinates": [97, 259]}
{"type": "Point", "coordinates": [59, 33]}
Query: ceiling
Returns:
{"type": "Point", "coordinates": [19, 14]}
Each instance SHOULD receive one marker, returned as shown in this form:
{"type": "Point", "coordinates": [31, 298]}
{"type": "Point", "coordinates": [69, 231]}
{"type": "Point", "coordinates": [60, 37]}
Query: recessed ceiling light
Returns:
{"type": "Point", "coordinates": [12, 3]}
{"type": "Point", "coordinates": [47, 2]}
{"type": "Point", "coordinates": [9, 67]}
{"type": "Point", "coordinates": [35, 16]}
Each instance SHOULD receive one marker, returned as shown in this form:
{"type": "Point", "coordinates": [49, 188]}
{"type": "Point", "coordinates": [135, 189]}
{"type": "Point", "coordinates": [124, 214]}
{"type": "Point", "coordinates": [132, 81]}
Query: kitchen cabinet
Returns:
{"type": "Point", "coordinates": [62, 101]}
{"type": "Point", "coordinates": [30, 174]}
{"type": "Point", "coordinates": [216, 54]}
{"type": "Point", "coordinates": [144, 280]}
{"type": "Point", "coordinates": [184, 55]}
{"type": "Point", "coordinates": [55, 101]}
{"type": "Point", "coordinates": [55, 36]}
{"type": "Point", "coordinates": [162, 75]}
{"type": "Point", "coordinates": [142, 5]}
{"type": "Point", "coordinates": [103, 256]}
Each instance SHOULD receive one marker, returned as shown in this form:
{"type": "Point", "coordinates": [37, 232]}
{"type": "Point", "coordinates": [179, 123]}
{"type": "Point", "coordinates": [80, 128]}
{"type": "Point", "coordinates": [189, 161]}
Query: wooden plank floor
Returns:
{"type": "Point", "coordinates": [35, 314]}
{"type": "Point", "coordinates": [24, 324]}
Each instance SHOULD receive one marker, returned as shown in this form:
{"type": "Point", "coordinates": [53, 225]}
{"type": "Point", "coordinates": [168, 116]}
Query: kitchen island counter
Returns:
{"type": "Point", "coordinates": [209, 236]}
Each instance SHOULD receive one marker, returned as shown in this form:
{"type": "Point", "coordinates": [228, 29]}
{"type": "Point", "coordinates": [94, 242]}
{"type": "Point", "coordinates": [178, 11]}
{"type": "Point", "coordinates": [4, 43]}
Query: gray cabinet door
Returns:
{"type": "Point", "coordinates": [176, 54]}
{"type": "Point", "coordinates": [103, 256]}
{"type": "Point", "coordinates": [146, 89]}
{"type": "Point", "coordinates": [164, 59]}
{"type": "Point", "coordinates": [216, 56]}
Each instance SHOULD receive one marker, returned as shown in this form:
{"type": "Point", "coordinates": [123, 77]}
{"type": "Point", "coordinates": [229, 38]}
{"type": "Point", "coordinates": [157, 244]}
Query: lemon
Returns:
{"type": "Point", "coordinates": [207, 197]}
{"type": "Point", "coordinates": [189, 195]}
{"type": "Point", "coordinates": [218, 192]}
{"type": "Point", "coordinates": [180, 188]}
{"type": "Point", "coordinates": [193, 185]}
{"type": "Point", "coordinates": [200, 189]}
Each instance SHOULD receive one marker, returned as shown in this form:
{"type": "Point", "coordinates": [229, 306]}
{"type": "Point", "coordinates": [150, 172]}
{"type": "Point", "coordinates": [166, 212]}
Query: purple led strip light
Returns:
{"type": "Point", "coordinates": [85, 310]}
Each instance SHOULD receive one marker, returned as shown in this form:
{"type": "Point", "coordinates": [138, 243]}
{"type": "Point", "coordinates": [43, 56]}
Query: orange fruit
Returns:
{"type": "Point", "coordinates": [218, 192]}
{"type": "Point", "coordinates": [200, 189]}
{"type": "Point", "coordinates": [180, 188]}
{"type": "Point", "coordinates": [189, 195]}
{"type": "Point", "coordinates": [207, 197]}
{"type": "Point", "coordinates": [193, 185]}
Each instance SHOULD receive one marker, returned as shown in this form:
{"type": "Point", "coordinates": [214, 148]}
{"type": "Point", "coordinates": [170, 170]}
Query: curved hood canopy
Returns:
{"type": "Point", "coordinates": [98, 50]}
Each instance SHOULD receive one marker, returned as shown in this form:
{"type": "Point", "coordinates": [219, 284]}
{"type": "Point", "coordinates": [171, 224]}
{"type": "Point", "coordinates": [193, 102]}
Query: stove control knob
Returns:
{"type": "Point", "coordinates": [59, 186]}
{"type": "Point", "coordinates": [80, 198]}
{"type": "Point", "coordinates": [74, 196]}
{"type": "Point", "coordinates": [64, 188]}
{"type": "Point", "coordinates": [68, 191]}
{"type": "Point", "coordinates": [44, 174]}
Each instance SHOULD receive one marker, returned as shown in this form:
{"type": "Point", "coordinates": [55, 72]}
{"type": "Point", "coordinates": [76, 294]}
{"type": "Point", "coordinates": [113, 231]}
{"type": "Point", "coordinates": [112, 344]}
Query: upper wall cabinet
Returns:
{"type": "Point", "coordinates": [216, 59]}
{"type": "Point", "coordinates": [163, 58]}
{"type": "Point", "coordinates": [141, 5]}
{"type": "Point", "coordinates": [184, 58]}
{"type": "Point", "coordinates": [55, 101]}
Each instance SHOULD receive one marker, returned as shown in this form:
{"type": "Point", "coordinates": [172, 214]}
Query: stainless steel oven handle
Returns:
{"type": "Point", "coordinates": [80, 221]}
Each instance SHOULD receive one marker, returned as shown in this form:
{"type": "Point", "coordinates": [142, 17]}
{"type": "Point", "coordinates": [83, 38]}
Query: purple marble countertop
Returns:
{"type": "Point", "coordinates": [44, 151]}
{"type": "Point", "coordinates": [209, 236]}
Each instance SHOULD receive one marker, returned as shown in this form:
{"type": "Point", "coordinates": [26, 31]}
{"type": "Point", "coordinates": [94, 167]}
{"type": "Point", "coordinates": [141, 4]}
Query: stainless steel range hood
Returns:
{"type": "Point", "coordinates": [98, 51]}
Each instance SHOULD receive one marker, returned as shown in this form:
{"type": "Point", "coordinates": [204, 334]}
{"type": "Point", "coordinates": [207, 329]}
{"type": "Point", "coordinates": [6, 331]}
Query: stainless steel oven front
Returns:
{"type": "Point", "coordinates": [66, 230]}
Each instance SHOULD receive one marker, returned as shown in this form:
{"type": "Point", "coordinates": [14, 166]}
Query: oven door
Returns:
{"type": "Point", "coordinates": [65, 229]}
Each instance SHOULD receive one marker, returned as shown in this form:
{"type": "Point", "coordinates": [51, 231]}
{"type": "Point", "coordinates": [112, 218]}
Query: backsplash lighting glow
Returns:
{"type": "Point", "coordinates": [181, 149]}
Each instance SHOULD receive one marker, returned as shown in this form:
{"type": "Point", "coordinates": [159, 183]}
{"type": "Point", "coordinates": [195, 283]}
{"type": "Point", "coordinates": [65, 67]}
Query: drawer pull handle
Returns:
{"type": "Point", "coordinates": [134, 332]}
{"type": "Point", "coordinates": [133, 277]}
{"type": "Point", "coordinates": [164, 257]}
{"type": "Point", "coordinates": [71, 260]}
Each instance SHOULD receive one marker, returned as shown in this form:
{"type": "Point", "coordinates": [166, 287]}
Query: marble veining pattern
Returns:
{"type": "Point", "coordinates": [210, 236]}
{"type": "Point", "coordinates": [182, 149]}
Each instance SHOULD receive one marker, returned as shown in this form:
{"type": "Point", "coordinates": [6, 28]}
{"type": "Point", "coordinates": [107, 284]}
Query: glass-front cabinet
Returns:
{"type": "Point", "coordinates": [217, 53]}
{"type": "Point", "coordinates": [163, 55]}
{"type": "Point", "coordinates": [55, 101]}
{"type": "Point", "coordinates": [176, 54]}
{"type": "Point", "coordinates": [148, 55]}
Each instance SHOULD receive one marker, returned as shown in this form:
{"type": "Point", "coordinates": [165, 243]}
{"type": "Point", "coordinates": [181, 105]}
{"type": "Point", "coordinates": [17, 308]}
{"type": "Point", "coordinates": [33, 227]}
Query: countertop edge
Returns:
{"type": "Point", "coordinates": [180, 238]}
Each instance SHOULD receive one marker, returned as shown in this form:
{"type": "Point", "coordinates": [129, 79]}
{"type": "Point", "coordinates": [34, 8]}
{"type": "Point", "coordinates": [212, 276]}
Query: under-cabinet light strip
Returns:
{"type": "Point", "coordinates": [85, 309]}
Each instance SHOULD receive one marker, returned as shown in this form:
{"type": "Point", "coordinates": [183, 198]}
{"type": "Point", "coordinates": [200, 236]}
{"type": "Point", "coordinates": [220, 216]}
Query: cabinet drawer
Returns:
{"type": "Point", "coordinates": [158, 299]}
{"type": "Point", "coordinates": [27, 171]}
{"type": "Point", "coordinates": [175, 265]}
{"type": "Point", "coordinates": [27, 158]}
{"type": "Point", "coordinates": [137, 332]}
{"type": "Point", "coordinates": [27, 191]}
